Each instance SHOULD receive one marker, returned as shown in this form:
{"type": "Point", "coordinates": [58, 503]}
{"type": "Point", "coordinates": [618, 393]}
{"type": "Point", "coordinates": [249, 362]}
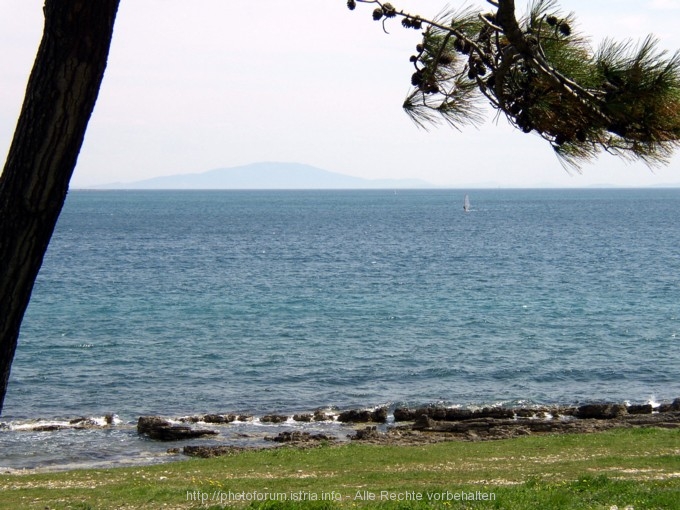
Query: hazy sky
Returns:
{"type": "Point", "coordinates": [192, 86]}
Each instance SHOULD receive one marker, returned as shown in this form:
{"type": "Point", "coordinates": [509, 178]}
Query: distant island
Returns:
{"type": "Point", "coordinates": [268, 175]}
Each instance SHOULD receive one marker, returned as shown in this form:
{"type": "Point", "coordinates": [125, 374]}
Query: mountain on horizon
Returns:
{"type": "Point", "coordinates": [268, 176]}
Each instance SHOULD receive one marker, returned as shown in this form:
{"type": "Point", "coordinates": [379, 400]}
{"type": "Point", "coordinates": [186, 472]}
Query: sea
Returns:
{"type": "Point", "coordinates": [179, 303]}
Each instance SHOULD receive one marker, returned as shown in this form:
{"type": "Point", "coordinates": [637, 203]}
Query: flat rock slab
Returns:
{"type": "Point", "coordinates": [161, 429]}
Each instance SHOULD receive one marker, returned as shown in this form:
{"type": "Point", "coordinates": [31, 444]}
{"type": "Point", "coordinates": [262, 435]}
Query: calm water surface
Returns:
{"type": "Point", "coordinates": [281, 301]}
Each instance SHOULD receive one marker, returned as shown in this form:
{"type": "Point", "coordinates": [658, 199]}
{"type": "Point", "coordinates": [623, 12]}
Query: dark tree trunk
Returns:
{"type": "Point", "coordinates": [60, 96]}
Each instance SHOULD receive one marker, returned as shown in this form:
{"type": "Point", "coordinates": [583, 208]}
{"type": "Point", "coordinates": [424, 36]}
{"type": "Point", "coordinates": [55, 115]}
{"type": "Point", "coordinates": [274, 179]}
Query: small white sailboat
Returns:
{"type": "Point", "coordinates": [466, 203]}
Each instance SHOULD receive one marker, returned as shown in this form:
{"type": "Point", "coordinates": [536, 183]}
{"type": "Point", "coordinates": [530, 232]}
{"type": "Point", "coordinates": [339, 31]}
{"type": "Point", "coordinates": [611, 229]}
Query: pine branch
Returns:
{"type": "Point", "coordinates": [541, 74]}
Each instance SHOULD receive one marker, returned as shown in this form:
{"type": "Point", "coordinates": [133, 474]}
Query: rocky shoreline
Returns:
{"type": "Point", "coordinates": [153, 439]}
{"type": "Point", "coordinates": [421, 425]}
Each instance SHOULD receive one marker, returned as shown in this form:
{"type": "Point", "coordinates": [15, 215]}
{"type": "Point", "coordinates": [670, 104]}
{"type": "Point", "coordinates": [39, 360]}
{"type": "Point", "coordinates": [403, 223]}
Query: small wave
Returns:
{"type": "Point", "coordinates": [653, 402]}
{"type": "Point", "coordinates": [51, 425]}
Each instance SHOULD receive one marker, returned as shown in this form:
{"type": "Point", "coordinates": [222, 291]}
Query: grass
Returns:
{"type": "Point", "coordinates": [638, 468]}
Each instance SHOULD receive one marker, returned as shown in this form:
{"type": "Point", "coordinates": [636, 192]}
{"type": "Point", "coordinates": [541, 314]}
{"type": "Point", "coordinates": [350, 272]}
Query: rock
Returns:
{"type": "Point", "coordinates": [404, 414]}
{"type": "Point", "coordinates": [423, 422]}
{"type": "Point", "coordinates": [601, 411]}
{"type": "Point", "coordinates": [458, 414]}
{"type": "Point", "coordinates": [543, 426]}
{"type": "Point", "coordinates": [366, 434]}
{"type": "Point", "coordinates": [219, 418]}
{"type": "Point", "coordinates": [669, 425]}
{"type": "Point", "coordinates": [479, 426]}
{"type": "Point", "coordinates": [303, 417]}
{"type": "Point", "coordinates": [206, 452]}
{"type": "Point", "coordinates": [84, 423]}
{"type": "Point", "coordinates": [498, 413]}
{"type": "Point", "coordinates": [363, 416]}
{"type": "Point", "coordinates": [298, 437]}
{"type": "Point", "coordinates": [354, 416]}
{"type": "Point", "coordinates": [319, 415]}
{"type": "Point", "coordinates": [147, 423]}
{"type": "Point", "coordinates": [565, 411]}
{"type": "Point", "coordinates": [274, 418]}
{"type": "Point", "coordinates": [436, 413]}
{"type": "Point", "coordinates": [245, 417]}
{"type": "Point", "coordinates": [675, 405]}
{"type": "Point", "coordinates": [379, 415]}
{"type": "Point", "coordinates": [48, 428]}
{"type": "Point", "coordinates": [591, 411]}
{"type": "Point", "coordinates": [178, 433]}
{"type": "Point", "coordinates": [533, 412]}
{"type": "Point", "coordinates": [640, 409]}
{"type": "Point", "coordinates": [160, 429]}
{"type": "Point", "coordinates": [618, 410]}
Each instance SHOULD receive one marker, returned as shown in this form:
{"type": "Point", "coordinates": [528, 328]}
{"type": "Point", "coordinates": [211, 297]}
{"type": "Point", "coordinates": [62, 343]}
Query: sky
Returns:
{"type": "Point", "coordinates": [194, 86]}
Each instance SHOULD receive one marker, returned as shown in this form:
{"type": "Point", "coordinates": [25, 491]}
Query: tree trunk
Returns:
{"type": "Point", "coordinates": [60, 96]}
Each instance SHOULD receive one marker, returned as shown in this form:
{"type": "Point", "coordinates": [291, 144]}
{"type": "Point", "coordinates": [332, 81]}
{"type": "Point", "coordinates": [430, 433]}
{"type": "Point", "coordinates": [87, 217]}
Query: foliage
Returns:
{"type": "Point", "coordinates": [542, 75]}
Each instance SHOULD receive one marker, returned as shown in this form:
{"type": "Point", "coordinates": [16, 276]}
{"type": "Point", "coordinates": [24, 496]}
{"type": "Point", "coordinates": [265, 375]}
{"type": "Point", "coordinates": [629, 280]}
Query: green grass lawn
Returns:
{"type": "Point", "coordinates": [634, 468]}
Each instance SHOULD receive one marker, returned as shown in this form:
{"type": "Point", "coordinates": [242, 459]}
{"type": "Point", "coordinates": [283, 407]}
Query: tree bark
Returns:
{"type": "Point", "coordinates": [505, 16]}
{"type": "Point", "coordinates": [60, 96]}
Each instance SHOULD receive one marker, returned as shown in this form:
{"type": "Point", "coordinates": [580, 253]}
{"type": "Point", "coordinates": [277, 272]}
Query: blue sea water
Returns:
{"type": "Point", "coordinates": [185, 302]}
